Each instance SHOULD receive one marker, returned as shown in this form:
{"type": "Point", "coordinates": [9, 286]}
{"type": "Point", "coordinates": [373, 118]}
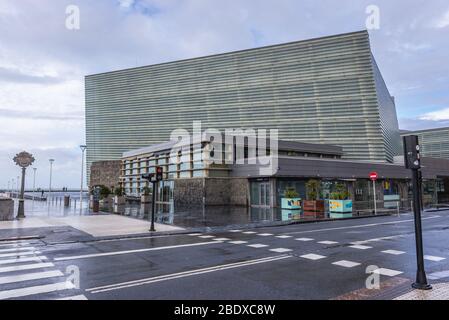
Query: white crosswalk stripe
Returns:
{"type": "Point", "coordinates": [13, 245]}
{"type": "Point", "coordinates": [19, 254]}
{"type": "Point", "coordinates": [16, 249]}
{"type": "Point", "coordinates": [28, 276]}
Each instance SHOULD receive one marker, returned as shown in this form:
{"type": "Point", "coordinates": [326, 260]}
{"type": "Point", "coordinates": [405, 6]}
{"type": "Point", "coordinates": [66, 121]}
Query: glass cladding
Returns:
{"type": "Point", "coordinates": [317, 91]}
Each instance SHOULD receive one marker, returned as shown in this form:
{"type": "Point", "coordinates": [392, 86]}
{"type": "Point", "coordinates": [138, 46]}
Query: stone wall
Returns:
{"type": "Point", "coordinates": [6, 209]}
{"type": "Point", "coordinates": [105, 173]}
{"type": "Point", "coordinates": [216, 191]}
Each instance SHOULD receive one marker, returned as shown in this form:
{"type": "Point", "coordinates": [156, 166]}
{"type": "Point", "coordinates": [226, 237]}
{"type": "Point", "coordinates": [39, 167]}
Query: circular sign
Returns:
{"type": "Point", "coordinates": [373, 176]}
{"type": "Point", "coordinates": [24, 159]}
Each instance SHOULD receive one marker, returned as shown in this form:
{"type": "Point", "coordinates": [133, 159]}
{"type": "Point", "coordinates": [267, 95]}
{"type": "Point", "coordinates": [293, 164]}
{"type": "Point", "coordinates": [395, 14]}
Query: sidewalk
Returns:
{"type": "Point", "coordinates": [94, 225]}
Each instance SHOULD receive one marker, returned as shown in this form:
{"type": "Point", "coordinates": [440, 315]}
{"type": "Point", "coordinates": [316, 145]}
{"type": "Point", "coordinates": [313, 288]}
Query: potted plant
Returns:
{"type": "Point", "coordinates": [119, 196]}
{"type": "Point", "coordinates": [145, 196]}
{"type": "Point", "coordinates": [313, 206]}
{"type": "Point", "coordinates": [105, 193]}
{"type": "Point", "coordinates": [291, 199]}
{"type": "Point", "coordinates": [340, 206]}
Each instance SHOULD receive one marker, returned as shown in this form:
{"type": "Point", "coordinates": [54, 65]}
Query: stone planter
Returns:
{"type": "Point", "coordinates": [146, 199]}
{"type": "Point", "coordinates": [313, 208]}
{"type": "Point", "coordinates": [6, 209]}
{"type": "Point", "coordinates": [340, 208]}
{"type": "Point", "coordinates": [291, 203]}
{"type": "Point", "coordinates": [119, 200]}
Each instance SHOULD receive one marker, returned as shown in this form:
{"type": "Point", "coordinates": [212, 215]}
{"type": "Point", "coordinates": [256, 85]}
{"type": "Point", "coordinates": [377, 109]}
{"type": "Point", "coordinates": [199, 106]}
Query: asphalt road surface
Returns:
{"type": "Point", "coordinates": [324, 260]}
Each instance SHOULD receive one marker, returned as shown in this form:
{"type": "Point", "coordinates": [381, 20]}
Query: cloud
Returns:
{"type": "Point", "coordinates": [442, 22]}
{"type": "Point", "coordinates": [440, 115]}
{"type": "Point", "coordinates": [10, 75]}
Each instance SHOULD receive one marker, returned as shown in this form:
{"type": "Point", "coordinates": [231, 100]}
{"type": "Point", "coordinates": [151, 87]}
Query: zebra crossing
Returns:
{"type": "Point", "coordinates": [313, 256]}
{"type": "Point", "coordinates": [25, 273]}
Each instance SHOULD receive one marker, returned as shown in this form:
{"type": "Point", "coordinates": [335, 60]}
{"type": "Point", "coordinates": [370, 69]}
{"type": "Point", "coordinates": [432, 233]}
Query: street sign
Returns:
{"type": "Point", "coordinates": [373, 176]}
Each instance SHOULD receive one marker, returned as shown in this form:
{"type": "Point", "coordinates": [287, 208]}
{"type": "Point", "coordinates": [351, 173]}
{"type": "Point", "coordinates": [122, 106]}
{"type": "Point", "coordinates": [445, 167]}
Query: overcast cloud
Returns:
{"type": "Point", "coordinates": [43, 64]}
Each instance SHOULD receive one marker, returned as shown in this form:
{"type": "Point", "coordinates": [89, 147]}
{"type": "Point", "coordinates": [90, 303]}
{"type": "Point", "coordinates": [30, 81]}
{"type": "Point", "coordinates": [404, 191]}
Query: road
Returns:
{"type": "Point", "coordinates": [325, 260]}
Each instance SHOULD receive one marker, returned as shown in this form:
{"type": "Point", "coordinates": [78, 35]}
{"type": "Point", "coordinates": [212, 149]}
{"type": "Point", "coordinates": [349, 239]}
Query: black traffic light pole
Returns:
{"type": "Point", "coordinates": [412, 161]}
{"type": "Point", "coordinates": [153, 207]}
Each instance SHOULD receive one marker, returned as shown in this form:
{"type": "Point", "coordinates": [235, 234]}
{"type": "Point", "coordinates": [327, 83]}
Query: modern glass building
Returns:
{"type": "Point", "coordinates": [327, 90]}
{"type": "Point", "coordinates": [434, 142]}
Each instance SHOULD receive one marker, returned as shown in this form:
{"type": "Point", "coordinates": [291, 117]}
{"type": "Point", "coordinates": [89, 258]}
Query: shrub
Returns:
{"type": "Point", "coordinates": [291, 193]}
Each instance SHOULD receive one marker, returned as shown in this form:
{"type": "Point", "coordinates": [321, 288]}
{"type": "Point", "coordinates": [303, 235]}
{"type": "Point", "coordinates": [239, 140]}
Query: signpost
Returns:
{"type": "Point", "coordinates": [23, 160]}
{"type": "Point", "coordinates": [412, 161]}
{"type": "Point", "coordinates": [373, 177]}
{"type": "Point", "coordinates": [154, 178]}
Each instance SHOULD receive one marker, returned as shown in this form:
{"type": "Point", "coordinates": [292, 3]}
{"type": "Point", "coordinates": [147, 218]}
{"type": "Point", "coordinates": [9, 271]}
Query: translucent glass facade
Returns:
{"type": "Point", "coordinates": [434, 142]}
{"type": "Point", "coordinates": [325, 90]}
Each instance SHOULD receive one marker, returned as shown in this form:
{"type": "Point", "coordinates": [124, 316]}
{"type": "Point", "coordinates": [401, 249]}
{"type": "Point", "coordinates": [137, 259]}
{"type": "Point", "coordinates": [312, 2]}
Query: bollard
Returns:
{"type": "Point", "coordinates": [66, 201]}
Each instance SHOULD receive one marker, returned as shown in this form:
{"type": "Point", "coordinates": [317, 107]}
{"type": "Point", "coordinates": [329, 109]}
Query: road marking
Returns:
{"type": "Point", "coordinates": [434, 258]}
{"type": "Point", "coordinates": [31, 276]}
{"type": "Point", "coordinates": [439, 275]}
{"type": "Point", "coordinates": [312, 256]}
{"type": "Point", "coordinates": [19, 254]}
{"type": "Point", "coordinates": [235, 230]}
{"type": "Point", "coordinates": [304, 239]}
{"type": "Point", "coordinates": [25, 259]}
{"type": "Point", "coordinates": [249, 232]}
{"type": "Point", "coordinates": [327, 242]}
{"type": "Point", "coordinates": [257, 245]}
{"type": "Point", "coordinates": [281, 250]}
{"type": "Point", "coordinates": [114, 253]}
{"type": "Point", "coordinates": [221, 239]}
{"type": "Point", "coordinates": [14, 245]}
{"type": "Point", "coordinates": [393, 252]}
{"type": "Point", "coordinates": [185, 274]}
{"type": "Point", "coordinates": [238, 242]}
{"type": "Point", "coordinates": [27, 267]}
{"type": "Point", "coordinates": [8, 294]}
{"type": "Point", "coordinates": [346, 264]}
{"type": "Point", "coordinates": [376, 239]}
{"type": "Point", "coordinates": [194, 234]}
{"type": "Point", "coordinates": [78, 297]}
{"type": "Point", "coordinates": [362, 225]}
{"type": "Point", "coordinates": [387, 272]}
{"type": "Point", "coordinates": [13, 242]}
{"type": "Point", "coordinates": [206, 237]}
{"type": "Point", "coordinates": [264, 234]}
{"type": "Point", "coordinates": [360, 247]}
{"type": "Point", "coordinates": [283, 237]}
{"type": "Point", "coordinates": [17, 249]}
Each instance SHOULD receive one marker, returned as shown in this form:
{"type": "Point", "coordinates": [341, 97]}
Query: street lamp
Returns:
{"type": "Point", "coordinates": [34, 181]}
{"type": "Point", "coordinates": [23, 160]}
{"type": "Point", "coordinates": [12, 188]}
{"type": "Point", "coordinates": [51, 169]}
{"type": "Point", "coordinates": [83, 148]}
{"type": "Point", "coordinates": [17, 186]}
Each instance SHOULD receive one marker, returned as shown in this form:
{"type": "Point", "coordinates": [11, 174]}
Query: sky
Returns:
{"type": "Point", "coordinates": [44, 58]}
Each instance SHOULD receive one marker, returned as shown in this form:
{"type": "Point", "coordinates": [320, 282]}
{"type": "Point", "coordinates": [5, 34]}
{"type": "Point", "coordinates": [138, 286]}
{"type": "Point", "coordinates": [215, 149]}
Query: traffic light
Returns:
{"type": "Point", "coordinates": [159, 173]}
{"type": "Point", "coordinates": [411, 152]}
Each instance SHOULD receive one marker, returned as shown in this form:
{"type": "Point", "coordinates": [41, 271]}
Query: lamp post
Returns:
{"type": "Point", "coordinates": [51, 169]}
{"type": "Point", "coordinates": [17, 186]}
{"type": "Point", "coordinates": [23, 160]}
{"type": "Point", "coordinates": [34, 181]}
{"type": "Point", "coordinates": [83, 148]}
{"type": "Point", "coordinates": [12, 188]}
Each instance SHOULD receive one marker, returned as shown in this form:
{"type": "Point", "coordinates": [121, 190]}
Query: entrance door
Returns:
{"type": "Point", "coordinates": [261, 194]}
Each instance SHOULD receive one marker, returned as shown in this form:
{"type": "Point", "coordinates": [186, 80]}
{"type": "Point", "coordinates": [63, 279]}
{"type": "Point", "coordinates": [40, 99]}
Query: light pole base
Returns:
{"type": "Point", "coordinates": [420, 286]}
{"type": "Point", "coordinates": [21, 210]}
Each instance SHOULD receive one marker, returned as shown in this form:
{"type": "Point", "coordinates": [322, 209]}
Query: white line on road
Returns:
{"type": "Point", "coordinates": [78, 297]}
{"type": "Point", "coordinates": [25, 259]}
{"type": "Point", "coordinates": [185, 274]}
{"type": "Point", "coordinates": [312, 256]}
{"type": "Point", "coordinates": [31, 276]}
{"type": "Point", "coordinates": [434, 258]}
{"type": "Point", "coordinates": [257, 245]}
{"type": "Point", "coordinates": [27, 267]}
{"type": "Point", "coordinates": [361, 226]}
{"type": "Point", "coordinates": [327, 242]}
{"type": "Point", "coordinates": [360, 247]}
{"type": "Point", "coordinates": [221, 239]}
{"type": "Point", "coordinates": [281, 250]}
{"type": "Point", "coordinates": [17, 249]}
{"type": "Point", "coordinates": [115, 253]}
{"type": "Point", "coordinates": [346, 264]}
{"type": "Point", "coordinates": [283, 237]}
{"type": "Point", "coordinates": [19, 254]}
{"type": "Point", "coordinates": [393, 252]}
{"type": "Point", "coordinates": [8, 294]}
{"type": "Point", "coordinates": [304, 239]}
{"type": "Point", "coordinates": [387, 272]}
{"type": "Point", "coordinates": [264, 234]}
{"type": "Point", "coordinates": [13, 245]}
{"type": "Point", "coordinates": [238, 242]}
